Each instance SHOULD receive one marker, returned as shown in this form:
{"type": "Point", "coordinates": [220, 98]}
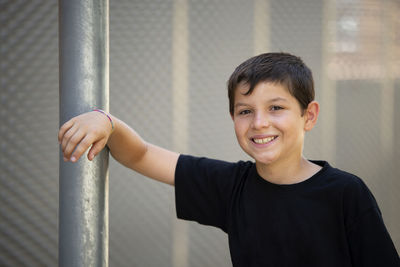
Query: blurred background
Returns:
{"type": "Point", "coordinates": [169, 63]}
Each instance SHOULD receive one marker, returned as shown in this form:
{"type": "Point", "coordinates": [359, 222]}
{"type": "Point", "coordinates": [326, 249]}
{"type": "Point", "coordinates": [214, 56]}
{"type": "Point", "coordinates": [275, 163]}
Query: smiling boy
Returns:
{"type": "Point", "coordinates": [269, 126]}
{"type": "Point", "coordinates": [281, 209]}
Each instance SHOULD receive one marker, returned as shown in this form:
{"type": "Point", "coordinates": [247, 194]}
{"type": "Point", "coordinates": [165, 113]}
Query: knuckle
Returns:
{"type": "Point", "coordinates": [63, 127]}
{"type": "Point", "coordinates": [75, 139]}
{"type": "Point", "coordinates": [64, 145]}
{"type": "Point", "coordinates": [85, 143]}
{"type": "Point", "coordinates": [66, 125]}
{"type": "Point", "coordinates": [68, 135]}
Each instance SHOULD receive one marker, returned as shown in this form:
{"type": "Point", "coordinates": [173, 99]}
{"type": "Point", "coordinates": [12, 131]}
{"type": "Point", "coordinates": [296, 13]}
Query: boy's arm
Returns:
{"type": "Point", "coordinates": [150, 160]}
{"type": "Point", "coordinates": [126, 146]}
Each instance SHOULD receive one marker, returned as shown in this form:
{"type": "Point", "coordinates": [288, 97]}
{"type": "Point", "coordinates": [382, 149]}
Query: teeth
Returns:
{"type": "Point", "coordinates": [264, 140]}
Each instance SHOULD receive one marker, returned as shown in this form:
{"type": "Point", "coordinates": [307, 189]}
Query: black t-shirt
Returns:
{"type": "Point", "coordinates": [330, 219]}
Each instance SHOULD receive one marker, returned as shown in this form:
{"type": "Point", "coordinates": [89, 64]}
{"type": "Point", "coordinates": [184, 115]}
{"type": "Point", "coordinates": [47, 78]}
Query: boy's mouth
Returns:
{"type": "Point", "coordinates": [263, 140]}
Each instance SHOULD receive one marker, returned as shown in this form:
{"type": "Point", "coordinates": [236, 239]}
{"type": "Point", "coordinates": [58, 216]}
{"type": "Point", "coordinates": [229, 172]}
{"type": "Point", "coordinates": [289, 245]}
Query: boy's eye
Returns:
{"type": "Point", "coordinates": [275, 108]}
{"type": "Point", "coordinates": [244, 112]}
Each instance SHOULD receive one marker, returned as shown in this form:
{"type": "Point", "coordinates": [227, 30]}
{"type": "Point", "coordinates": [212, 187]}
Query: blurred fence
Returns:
{"type": "Point", "coordinates": [169, 62]}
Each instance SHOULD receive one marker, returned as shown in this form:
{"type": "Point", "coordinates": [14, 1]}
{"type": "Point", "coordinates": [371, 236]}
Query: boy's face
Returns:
{"type": "Point", "coordinates": [269, 124]}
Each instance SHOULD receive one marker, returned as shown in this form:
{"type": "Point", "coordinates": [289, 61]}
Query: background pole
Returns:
{"type": "Point", "coordinates": [84, 85]}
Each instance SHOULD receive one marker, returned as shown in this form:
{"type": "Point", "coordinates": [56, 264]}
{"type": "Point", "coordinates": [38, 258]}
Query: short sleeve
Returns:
{"type": "Point", "coordinates": [203, 188]}
{"type": "Point", "coordinates": [369, 241]}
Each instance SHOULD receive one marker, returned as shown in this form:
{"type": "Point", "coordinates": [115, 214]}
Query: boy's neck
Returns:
{"type": "Point", "coordinates": [288, 172]}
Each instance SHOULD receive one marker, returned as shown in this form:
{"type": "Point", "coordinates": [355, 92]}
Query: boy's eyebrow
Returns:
{"type": "Point", "coordinates": [241, 105]}
{"type": "Point", "coordinates": [276, 99]}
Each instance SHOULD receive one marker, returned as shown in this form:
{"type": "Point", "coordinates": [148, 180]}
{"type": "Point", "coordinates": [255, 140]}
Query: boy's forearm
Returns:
{"type": "Point", "coordinates": [129, 149]}
{"type": "Point", "coordinates": [125, 145]}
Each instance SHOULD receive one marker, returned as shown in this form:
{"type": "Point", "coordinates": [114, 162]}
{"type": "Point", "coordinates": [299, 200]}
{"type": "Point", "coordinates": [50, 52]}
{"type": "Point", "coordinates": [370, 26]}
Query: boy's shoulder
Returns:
{"type": "Point", "coordinates": [354, 190]}
{"type": "Point", "coordinates": [346, 178]}
{"type": "Point", "coordinates": [347, 184]}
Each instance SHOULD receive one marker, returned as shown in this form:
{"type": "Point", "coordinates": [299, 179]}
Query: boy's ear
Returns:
{"type": "Point", "coordinates": [311, 115]}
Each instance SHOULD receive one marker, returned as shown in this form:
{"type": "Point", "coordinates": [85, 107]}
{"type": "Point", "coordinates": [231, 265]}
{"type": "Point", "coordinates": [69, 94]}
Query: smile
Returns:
{"type": "Point", "coordinates": [263, 140]}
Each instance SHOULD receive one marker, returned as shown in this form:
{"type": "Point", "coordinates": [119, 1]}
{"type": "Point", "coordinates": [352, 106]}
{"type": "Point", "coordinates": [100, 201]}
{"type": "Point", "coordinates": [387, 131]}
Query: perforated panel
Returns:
{"type": "Point", "coordinates": [28, 130]}
{"type": "Point", "coordinates": [333, 42]}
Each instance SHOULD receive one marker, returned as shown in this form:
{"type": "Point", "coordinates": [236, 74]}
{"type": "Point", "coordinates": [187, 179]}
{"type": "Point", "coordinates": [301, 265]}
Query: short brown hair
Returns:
{"type": "Point", "coordinates": [282, 68]}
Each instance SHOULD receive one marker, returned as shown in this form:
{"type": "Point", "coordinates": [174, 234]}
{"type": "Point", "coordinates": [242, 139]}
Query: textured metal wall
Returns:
{"type": "Point", "coordinates": [358, 130]}
{"type": "Point", "coordinates": [29, 122]}
{"type": "Point", "coordinates": [141, 210]}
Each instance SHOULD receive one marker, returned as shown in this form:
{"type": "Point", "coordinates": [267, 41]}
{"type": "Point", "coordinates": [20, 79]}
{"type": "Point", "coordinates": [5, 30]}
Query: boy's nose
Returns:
{"type": "Point", "coordinates": [260, 120]}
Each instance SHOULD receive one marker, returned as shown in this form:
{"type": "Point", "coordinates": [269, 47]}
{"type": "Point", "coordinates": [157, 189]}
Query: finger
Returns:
{"type": "Point", "coordinates": [63, 129]}
{"type": "Point", "coordinates": [86, 142]}
{"type": "Point", "coordinates": [96, 148]}
{"type": "Point", "coordinates": [67, 136]}
{"type": "Point", "coordinates": [73, 143]}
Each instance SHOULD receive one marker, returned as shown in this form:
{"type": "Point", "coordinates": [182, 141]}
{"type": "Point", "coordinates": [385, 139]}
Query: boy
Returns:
{"type": "Point", "coordinates": [282, 210]}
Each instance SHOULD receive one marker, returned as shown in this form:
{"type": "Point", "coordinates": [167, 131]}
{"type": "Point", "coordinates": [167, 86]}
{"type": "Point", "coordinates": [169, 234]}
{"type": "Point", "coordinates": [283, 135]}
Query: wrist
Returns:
{"type": "Point", "coordinates": [108, 117]}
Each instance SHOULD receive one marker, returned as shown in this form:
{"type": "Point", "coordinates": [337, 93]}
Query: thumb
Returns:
{"type": "Point", "coordinates": [96, 148]}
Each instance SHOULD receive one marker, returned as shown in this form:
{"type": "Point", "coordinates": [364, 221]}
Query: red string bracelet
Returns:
{"type": "Point", "coordinates": [108, 116]}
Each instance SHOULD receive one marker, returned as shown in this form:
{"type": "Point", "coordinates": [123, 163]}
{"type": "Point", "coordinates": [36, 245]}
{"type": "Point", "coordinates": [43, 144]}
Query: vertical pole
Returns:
{"type": "Point", "coordinates": [328, 83]}
{"type": "Point", "coordinates": [388, 81]}
{"type": "Point", "coordinates": [261, 27]}
{"type": "Point", "coordinates": [180, 93]}
{"type": "Point", "coordinates": [388, 118]}
{"type": "Point", "coordinates": [84, 80]}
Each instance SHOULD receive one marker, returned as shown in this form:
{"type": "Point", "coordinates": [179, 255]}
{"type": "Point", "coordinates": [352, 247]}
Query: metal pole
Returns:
{"type": "Point", "coordinates": [84, 81]}
{"type": "Point", "coordinates": [262, 25]}
{"type": "Point", "coordinates": [328, 84]}
{"type": "Point", "coordinates": [180, 85]}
